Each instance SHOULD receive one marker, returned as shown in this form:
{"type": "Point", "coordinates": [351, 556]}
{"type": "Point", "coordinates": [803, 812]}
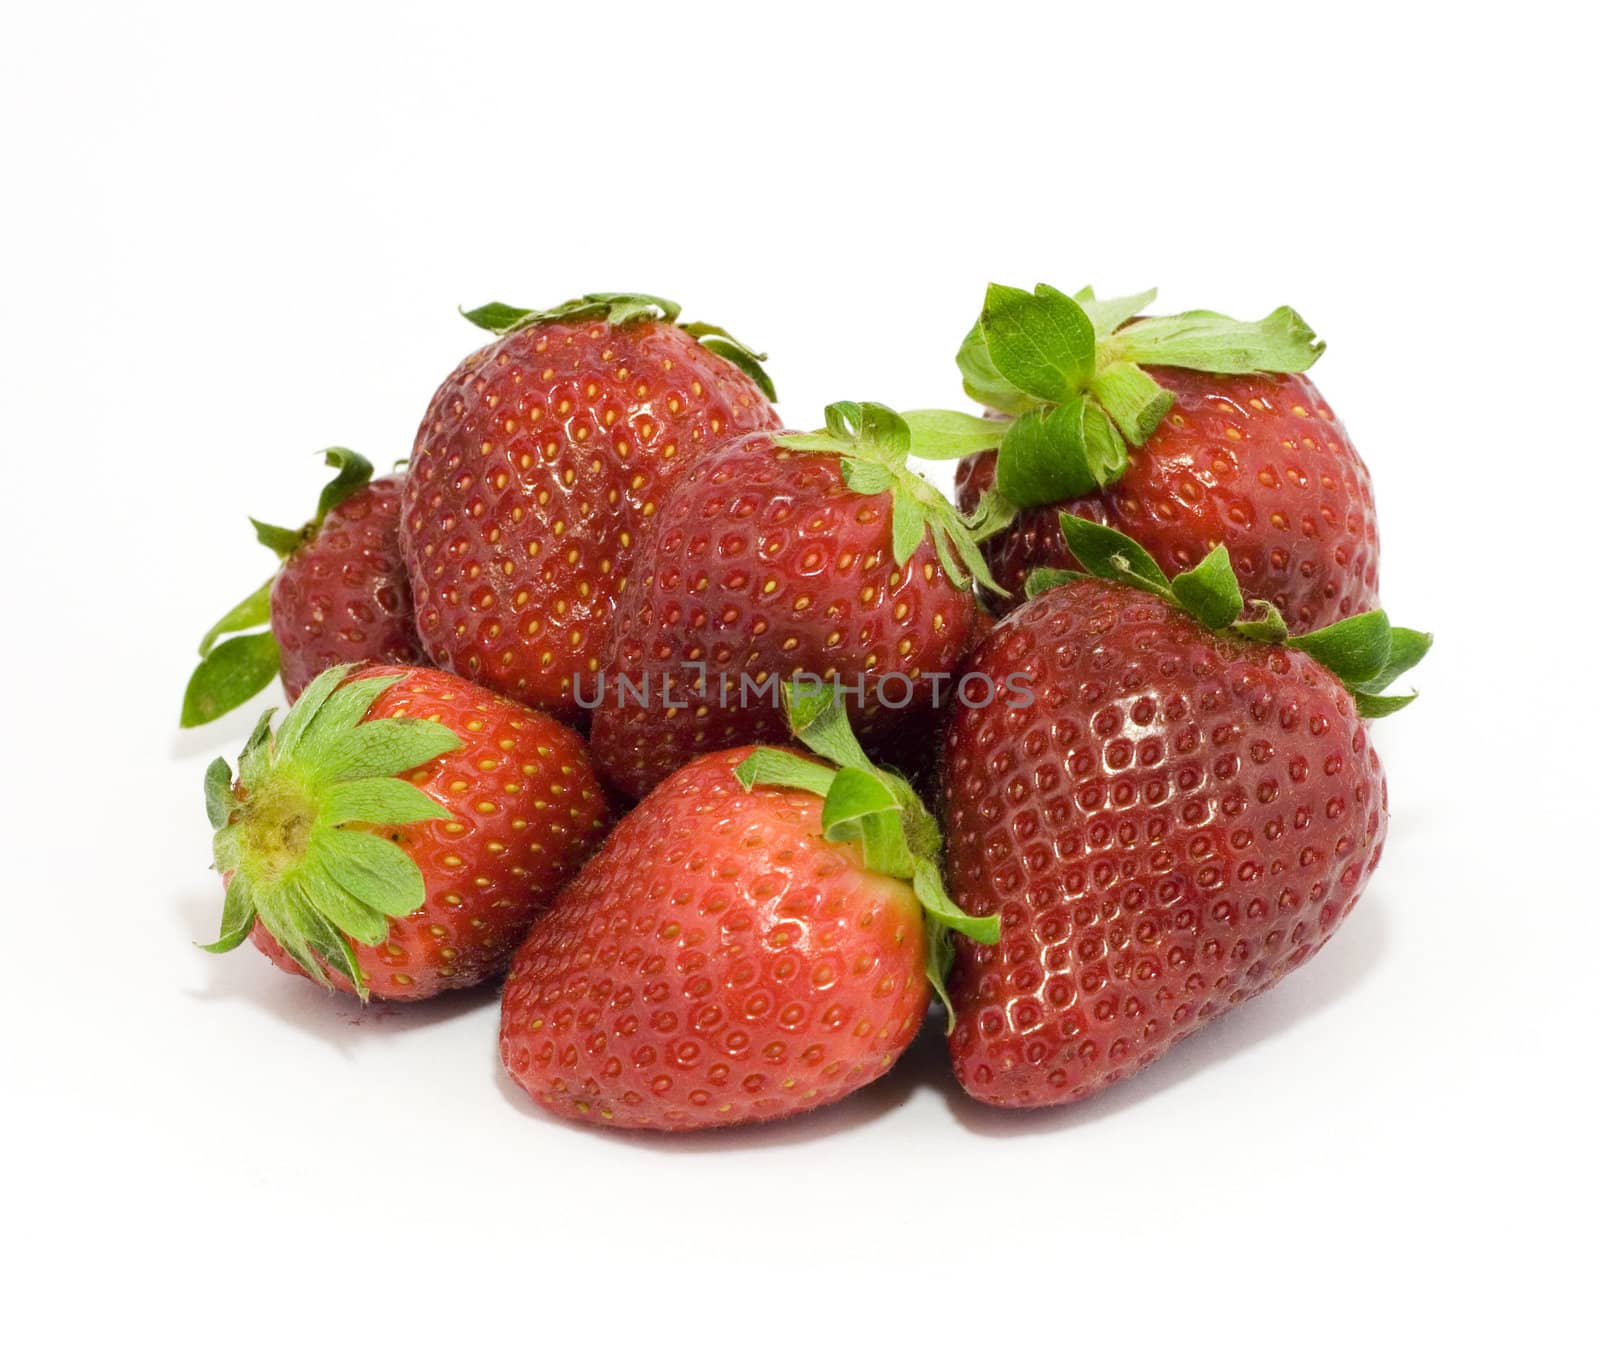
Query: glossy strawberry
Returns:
{"type": "Point", "coordinates": [726, 959]}
{"type": "Point", "coordinates": [1217, 440]}
{"type": "Point", "coordinates": [539, 465]}
{"type": "Point", "coordinates": [776, 555]}
{"type": "Point", "coordinates": [400, 831]}
{"type": "Point", "coordinates": [1180, 816]}
{"type": "Point", "coordinates": [341, 596]}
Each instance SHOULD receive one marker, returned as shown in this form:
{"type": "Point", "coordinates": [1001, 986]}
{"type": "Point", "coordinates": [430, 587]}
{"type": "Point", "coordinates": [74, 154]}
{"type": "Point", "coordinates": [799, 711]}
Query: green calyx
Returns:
{"type": "Point", "coordinates": [235, 664]}
{"type": "Point", "coordinates": [1069, 370]}
{"type": "Point", "coordinates": [873, 444]}
{"type": "Point", "coordinates": [872, 808]}
{"type": "Point", "coordinates": [313, 836]}
{"type": "Point", "coordinates": [1366, 652]}
{"type": "Point", "coordinates": [618, 308]}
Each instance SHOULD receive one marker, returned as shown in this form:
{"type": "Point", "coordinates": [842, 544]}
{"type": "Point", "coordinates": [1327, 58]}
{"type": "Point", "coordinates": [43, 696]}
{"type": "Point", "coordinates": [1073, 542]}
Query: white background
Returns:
{"type": "Point", "coordinates": [235, 235]}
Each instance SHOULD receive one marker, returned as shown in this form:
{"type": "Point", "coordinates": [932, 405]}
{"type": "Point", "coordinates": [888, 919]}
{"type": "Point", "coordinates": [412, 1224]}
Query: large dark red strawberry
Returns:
{"type": "Point", "coordinates": [340, 596]}
{"type": "Point", "coordinates": [538, 467]}
{"type": "Point", "coordinates": [777, 555]}
{"type": "Point", "coordinates": [756, 939]}
{"type": "Point", "coordinates": [1184, 812]}
{"type": "Point", "coordinates": [400, 831]}
{"type": "Point", "coordinates": [1185, 433]}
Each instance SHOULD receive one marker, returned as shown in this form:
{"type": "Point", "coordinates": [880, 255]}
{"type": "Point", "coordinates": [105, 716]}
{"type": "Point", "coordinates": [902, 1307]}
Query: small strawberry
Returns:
{"type": "Point", "coordinates": [1220, 441]}
{"type": "Point", "coordinates": [540, 464]}
{"type": "Point", "coordinates": [1182, 814]}
{"type": "Point", "coordinates": [779, 555]}
{"type": "Point", "coordinates": [340, 596]}
{"type": "Point", "coordinates": [756, 939]}
{"type": "Point", "coordinates": [400, 831]}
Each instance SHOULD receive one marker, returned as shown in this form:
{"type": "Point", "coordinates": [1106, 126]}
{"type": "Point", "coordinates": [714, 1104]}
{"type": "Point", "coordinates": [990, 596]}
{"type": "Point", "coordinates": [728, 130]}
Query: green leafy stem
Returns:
{"type": "Point", "coordinates": [873, 443]}
{"type": "Point", "coordinates": [1068, 371]}
{"type": "Point", "coordinates": [1366, 652]}
{"type": "Point", "coordinates": [296, 836]}
{"type": "Point", "coordinates": [873, 808]}
{"type": "Point", "coordinates": [619, 308]}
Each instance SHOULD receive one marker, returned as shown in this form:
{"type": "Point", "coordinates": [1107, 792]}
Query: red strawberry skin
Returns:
{"type": "Point", "coordinates": [526, 810]}
{"type": "Point", "coordinates": [1257, 462]}
{"type": "Point", "coordinates": [538, 466]}
{"type": "Point", "coordinates": [761, 564]}
{"type": "Point", "coordinates": [1177, 821]}
{"type": "Point", "coordinates": [717, 962]}
{"type": "Point", "coordinates": [343, 596]}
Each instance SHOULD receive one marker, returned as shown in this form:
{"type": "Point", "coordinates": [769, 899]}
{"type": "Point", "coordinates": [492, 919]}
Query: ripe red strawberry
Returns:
{"type": "Point", "coordinates": [819, 554]}
{"type": "Point", "coordinates": [538, 467]}
{"type": "Point", "coordinates": [1217, 442]}
{"type": "Point", "coordinates": [340, 596]}
{"type": "Point", "coordinates": [1182, 815]}
{"type": "Point", "coordinates": [747, 944]}
{"type": "Point", "coordinates": [400, 831]}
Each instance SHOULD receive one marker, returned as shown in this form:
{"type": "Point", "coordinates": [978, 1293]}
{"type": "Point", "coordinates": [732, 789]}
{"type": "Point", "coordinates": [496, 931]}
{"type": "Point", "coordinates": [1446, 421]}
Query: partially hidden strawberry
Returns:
{"type": "Point", "coordinates": [539, 465]}
{"type": "Point", "coordinates": [756, 939]}
{"type": "Point", "coordinates": [782, 555]}
{"type": "Point", "coordinates": [1183, 813]}
{"type": "Point", "coordinates": [1185, 432]}
{"type": "Point", "coordinates": [400, 831]}
{"type": "Point", "coordinates": [340, 596]}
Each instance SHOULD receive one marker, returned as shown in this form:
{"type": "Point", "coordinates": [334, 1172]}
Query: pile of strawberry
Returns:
{"type": "Point", "coordinates": [732, 748]}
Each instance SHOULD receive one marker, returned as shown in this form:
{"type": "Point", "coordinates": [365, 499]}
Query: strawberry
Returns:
{"type": "Point", "coordinates": [756, 939]}
{"type": "Point", "coordinates": [1184, 812]}
{"type": "Point", "coordinates": [400, 831]}
{"type": "Point", "coordinates": [340, 596]}
{"type": "Point", "coordinates": [777, 555]}
{"type": "Point", "coordinates": [539, 465]}
{"type": "Point", "coordinates": [1221, 440]}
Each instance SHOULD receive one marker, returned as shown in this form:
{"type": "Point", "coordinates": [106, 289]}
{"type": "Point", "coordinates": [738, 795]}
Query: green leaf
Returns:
{"type": "Point", "coordinates": [383, 747]}
{"type": "Point", "coordinates": [219, 792]}
{"type": "Point", "coordinates": [496, 317]}
{"type": "Point", "coordinates": [1044, 578]}
{"type": "Point", "coordinates": [1109, 315]}
{"type": "Point", "coordinates": [1210, 591]}
{"type": "Point", "coordinates": [1354, 649]}
{"type": "Point", "coordinates": [1042, 343]}
{"type": "Point", "coordinates": [929, 886]}
{"type": "Point", "coordinates": [1059, 453]}
{"type": "Point", "coordinates": [238, 915]}
{"type": "Point", "coordinates": [1407, 647]}
{"type": "Point", "coordinates": [355, 471]}
{"type": "Point", "coordinates": [731, 350]}
{"type": "Point", "coordinates": [909, 527]}
{"type": "Point", "coordinates": [251, 612]}
{"type": "Point", "coordinates": [230, 674]}
{"type": "Point", "coordinates": [769, 766]}
{"type": "Point", "coordinates": [943, 435]}
{"type": "Point", "coordinates": [855, 792]}
{"type": "Point", "coordinates": [342, 711]}
{"type": "Point", "coordinates": [1114, 556]}
{"type": "Point", "coordinates": [378, 873]}
{"type": "Point", "coordinates": [287, 918]}
{"type": "Point", "coordinates": [1379, 706]}
{"type": "Point", "coordinates": [1136, 404]}
{"type": "Point", "coordinates": [306, 708]}
{"type": "Point", "coordinates": [1202, 340]}
{"type": "Point", "coordinates": [982, 381]}
{"type": "Point", "coordinates": [328, 896]}
{"type": "Point", "coordinates": [380, 800]}
{"type": "Point", "coordinates": [283, 541]}
{"type": "Point", "coordinates": [615, 307]}
{"type": "Point", "coordinates": [1268, 628]}
{"type": "Point", "coordinates": [818, 719]}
